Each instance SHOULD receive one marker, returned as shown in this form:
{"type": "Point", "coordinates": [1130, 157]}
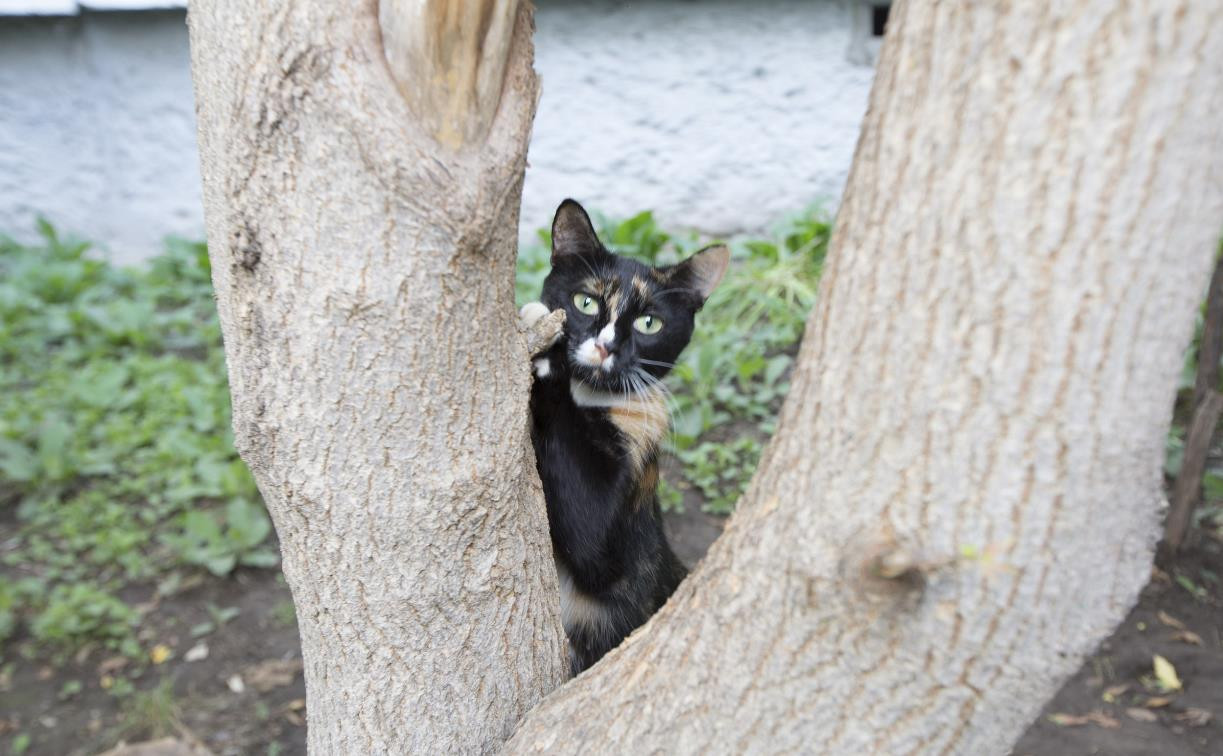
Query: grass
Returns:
{"type": "Point", "coordinates": [284, 614]}
{"type": "Point", "coordinates": [116, 455]}
{"type": "Point", "coordinates": [117, 465]}
{"type": "Point", "coordinates": [150, 714]}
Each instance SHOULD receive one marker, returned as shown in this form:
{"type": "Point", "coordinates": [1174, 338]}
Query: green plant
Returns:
{"type": "Point", "coordinates": [221, 543]}
{"type": "Point", "coordinates": [720, 471]}
{"type": "Point", "coordinates": [284, 613]}
{"type": "Point", "coordinates": [114, 424]}
{"type": "Point", "coordinates": [150, 714]}
{"type": "Point", "coordinates": [69, 689]}
{"type": "Point", "coordinates": [8, 609]}
{"type": "Point", "coordinates": [20, 744]}
{"type": "Point", "coordinates": [79, 613]}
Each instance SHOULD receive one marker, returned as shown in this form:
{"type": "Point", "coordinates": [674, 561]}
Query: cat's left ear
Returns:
{"type": "Point", "coordinates": [572, 232]}
{"type": "Point", "coordinates": [702, 271]}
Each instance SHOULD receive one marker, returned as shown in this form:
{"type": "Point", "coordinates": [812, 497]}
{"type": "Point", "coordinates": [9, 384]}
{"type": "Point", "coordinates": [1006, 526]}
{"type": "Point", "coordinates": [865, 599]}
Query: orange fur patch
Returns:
{"type": "Point", "coordinates": [647, 486]}
{"type": "Point", "coordinates": [642, 290]}
{"type": "Point", "coordinates": [642, 422]}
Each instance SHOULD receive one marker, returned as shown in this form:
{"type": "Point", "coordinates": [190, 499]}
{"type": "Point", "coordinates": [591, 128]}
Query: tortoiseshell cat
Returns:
{"type": "Point", "coordinates": [599, 413]}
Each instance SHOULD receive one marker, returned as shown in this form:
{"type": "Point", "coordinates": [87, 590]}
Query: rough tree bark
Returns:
{"type": "Point", "coordinates": [963, 494]}
{"type": "Point", "coordinates": [363, 260]}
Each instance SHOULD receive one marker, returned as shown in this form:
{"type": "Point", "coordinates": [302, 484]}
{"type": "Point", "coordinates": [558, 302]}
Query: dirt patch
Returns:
{"type": "Point", "coordinates": [246, 696]}
{"type": "Point", "coordinates": [1179, 617]}
{"type": "Point", "coordinates": [195, 685]}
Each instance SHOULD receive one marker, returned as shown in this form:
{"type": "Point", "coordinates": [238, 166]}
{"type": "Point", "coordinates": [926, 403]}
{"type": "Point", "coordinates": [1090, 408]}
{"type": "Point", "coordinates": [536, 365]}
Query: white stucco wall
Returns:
{"type": "Point", "coordinates": [721, 115]}
{"type": "Point", "coordinates": [97, 128]}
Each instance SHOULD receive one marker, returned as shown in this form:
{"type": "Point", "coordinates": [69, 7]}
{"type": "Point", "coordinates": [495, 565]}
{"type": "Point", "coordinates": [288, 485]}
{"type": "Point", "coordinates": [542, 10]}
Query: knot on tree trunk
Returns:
{"type": "Point", "coordinates": [882, 567]}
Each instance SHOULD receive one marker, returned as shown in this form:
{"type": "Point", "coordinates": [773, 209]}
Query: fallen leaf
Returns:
{"type": "Point", "coordinates": [1076, 720]}
{"type": "Point", "coordinates": [1110, 694]}
{"type": "Point", "coordinates": [161, 747]}
{"type": "Point", "coordinates": [1100, 718]}
{"type": "Point", "coordinates": [1170, 621]}
{"type": "Point", "coordinates": [106, 681]}
{"type": "Point", "coordinates": [159, 653]}
{"type": "Point", "coordinates": [1141, 715]}
{"type": "Point", "coordinates": [112, 665]}
{"type": "Point", "coordinates": [148, 606]}
{"type": "Point", "coordinates": [1195, 717]}
{"type": "Point", "coordinates": [198, 652]}
{"type": "Point", "coordinates": [290, 711]}
{"type": "Point", "coordinates": [1165, 673]}
{"type": "Point", "coordinates": [1157, 702]}
{"type": "Point", "coordinates": [273, 673]}
{"type": "Point", "coordinates": [1188, 636]}
{"type": "Point", "coordinates": [45, 673]}
{"type": "Point", "coordinates": [235, 684]}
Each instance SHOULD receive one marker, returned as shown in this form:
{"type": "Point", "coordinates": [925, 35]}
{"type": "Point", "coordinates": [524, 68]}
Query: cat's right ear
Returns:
{"type": "Point", "coordinates": [572, 232]}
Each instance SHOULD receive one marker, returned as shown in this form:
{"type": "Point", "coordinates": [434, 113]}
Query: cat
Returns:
{"type": "Point", "coordinates": [599, 413]}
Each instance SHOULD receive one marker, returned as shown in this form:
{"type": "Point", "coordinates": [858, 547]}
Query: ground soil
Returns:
{"type": "Point", "coordinates": [247, 696]}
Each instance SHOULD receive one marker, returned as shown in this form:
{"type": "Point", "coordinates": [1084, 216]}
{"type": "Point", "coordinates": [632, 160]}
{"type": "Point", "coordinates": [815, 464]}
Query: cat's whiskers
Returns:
{"type": "Point", "coordinates": [658, 387]}
{"type": "Point", "coordinates": [636, 397]}
{"type": "Point", "coordinates": [655, 363]}
{"type": "Point", "coordinates": [672, 406]}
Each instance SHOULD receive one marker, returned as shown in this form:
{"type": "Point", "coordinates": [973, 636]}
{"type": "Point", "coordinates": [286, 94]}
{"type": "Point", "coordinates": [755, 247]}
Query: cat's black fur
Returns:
{"type": "Point", "coordinates": [599, 464]}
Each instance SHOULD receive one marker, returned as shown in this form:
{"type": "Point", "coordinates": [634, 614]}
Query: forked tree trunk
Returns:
{"type": "Point", "coordinates": [363, 259]}
{"type": "Point", "coordinates": [962, 497]}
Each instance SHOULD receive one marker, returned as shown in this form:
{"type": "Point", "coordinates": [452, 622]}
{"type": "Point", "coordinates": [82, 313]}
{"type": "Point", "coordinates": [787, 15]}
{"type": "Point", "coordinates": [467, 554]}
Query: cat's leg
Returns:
{"type": "Point", "coordinates": [606, 621]}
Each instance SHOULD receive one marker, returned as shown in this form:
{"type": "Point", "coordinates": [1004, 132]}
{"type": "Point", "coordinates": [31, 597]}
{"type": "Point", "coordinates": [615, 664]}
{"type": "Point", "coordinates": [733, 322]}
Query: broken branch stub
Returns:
{"type": "Point", "coordinates": [448, 58]}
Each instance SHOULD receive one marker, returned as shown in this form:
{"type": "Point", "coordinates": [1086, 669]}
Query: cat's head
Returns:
{"type": "Point", "coordinates": [625, 322]}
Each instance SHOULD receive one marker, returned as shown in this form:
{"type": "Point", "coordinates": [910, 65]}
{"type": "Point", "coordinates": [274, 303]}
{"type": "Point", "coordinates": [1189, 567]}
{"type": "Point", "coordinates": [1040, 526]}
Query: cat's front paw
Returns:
{"type": "Point", "coordinates": [531, 312]}
{"type": "Point", "coordinates": [542, 328]}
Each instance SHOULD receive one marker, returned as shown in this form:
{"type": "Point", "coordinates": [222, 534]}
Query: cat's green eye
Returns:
{"type": "Point", "coordinates": [648, 324]}
{"type": "Point", "coordinates": [586, 304]}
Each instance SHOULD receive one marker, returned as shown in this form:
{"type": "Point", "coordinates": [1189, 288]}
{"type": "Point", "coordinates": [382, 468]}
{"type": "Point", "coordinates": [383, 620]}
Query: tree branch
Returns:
{"type": "Point", "coordinates": [1188, 488]}
{"type": "Point", "coordinates": [985, 379]}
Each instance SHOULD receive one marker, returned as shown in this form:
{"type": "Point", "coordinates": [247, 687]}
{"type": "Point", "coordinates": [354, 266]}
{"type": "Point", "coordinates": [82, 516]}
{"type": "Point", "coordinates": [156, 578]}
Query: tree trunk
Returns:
{"type": "Point", "coordinates": [963, 495]}
{"type": "Point", "coordinates": [363, 259]}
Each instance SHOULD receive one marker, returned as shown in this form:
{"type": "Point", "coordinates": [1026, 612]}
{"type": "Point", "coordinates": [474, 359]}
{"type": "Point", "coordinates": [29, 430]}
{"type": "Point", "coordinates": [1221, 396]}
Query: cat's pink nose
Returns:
{"type": "Point", "coordinates": [602, 350]}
